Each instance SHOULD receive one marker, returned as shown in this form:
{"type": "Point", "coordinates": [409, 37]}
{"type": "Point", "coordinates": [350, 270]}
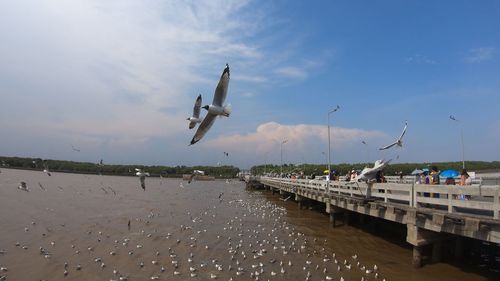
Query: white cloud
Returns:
{"type": "Point", "coordinates": [124, 72]}
{"type": "Point", "coordinates": [301, 138]}
{"type": "Point", "coordinates": [109, 68]}
{"type": "Point", "coordinates": [420, 59]}
{"type": "Point", "coordinates": [292, 72]}
{"type": "Point", "coordinates": [481, 54]}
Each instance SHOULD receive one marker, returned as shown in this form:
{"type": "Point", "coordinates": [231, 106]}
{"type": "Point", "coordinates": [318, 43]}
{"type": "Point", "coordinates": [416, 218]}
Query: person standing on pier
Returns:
{"type": "Point", "coordinates": [465, 179]}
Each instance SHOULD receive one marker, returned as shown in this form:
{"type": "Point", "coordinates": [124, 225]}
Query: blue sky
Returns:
{"type": "Point", "coordinates": [117, 79]}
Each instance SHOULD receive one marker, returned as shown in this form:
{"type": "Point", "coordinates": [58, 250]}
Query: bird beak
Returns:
{"type": "Point", "coordinates": [205, 107]}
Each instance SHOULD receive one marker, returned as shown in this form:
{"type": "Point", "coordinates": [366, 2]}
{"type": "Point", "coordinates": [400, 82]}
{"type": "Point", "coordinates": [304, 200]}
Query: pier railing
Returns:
{"type": "Point", "coordinates": [472, 200]}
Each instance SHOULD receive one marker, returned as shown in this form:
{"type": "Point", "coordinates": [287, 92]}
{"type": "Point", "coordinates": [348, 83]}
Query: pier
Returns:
{"type": "Point", "coordinates": [432, 213]}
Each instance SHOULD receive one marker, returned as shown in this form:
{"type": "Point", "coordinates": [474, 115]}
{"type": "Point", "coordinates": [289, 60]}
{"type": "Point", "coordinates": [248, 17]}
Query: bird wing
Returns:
{"type": "Point", "coordinates": [221, 90]}
{"type": "Point", "coordinates": [388, 146]}
{"type": "Point", "coordinates": [192, 125]}
{"type": "Point", "coordinates": [404, 131]}
{"type": "Point", "coordinates": [204, 127]}
{"type": "Point", "coordinates": [191, 177]}
{"type": "Point", "coordinates": [196, 108]}
{"type": "Point", "coordinates": [143, 183]}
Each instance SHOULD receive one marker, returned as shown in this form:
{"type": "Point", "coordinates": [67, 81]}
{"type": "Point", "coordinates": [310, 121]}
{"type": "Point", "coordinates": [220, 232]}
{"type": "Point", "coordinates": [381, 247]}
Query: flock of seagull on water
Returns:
{"type": "Point", "coordinates": [254, 243]}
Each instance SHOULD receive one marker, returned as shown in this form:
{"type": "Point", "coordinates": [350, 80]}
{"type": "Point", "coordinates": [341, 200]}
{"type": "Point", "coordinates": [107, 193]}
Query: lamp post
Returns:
{"type": "Point", "coordinates": [329, 149]}
{"type": "Point", "coordinates": [326, 158]}
{"type": "Point", "coordinates": [462, 139]}
{"type": "Point", "coordinates": [281, 168]}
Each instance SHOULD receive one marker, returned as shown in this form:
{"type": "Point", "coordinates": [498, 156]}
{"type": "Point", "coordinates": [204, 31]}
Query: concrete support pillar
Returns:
{"type": "Point", "coordinates": [299, 201]}
{"type": "Point", "coordinates": [459, 248]}
{"type": "Point", "coordinates": [437, 248]}
{"type": "Point", "coordinates": [417, 256]}
{"type": "Point", "coordinates": [328, 208]}
{"type": "Point", "coordinates": [369, 190]}
{"type": "Point", "coordinates": [332, 218]}
{"type": "Point", "coordinates": [362, 219]}
{"type": "Point", "coordinates": [347, 215]}
{"type": "Point", "coordinates": [492, 254]}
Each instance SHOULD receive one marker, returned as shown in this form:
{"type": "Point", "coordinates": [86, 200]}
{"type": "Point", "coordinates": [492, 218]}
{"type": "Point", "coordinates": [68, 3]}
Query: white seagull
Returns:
{"type": "Point", "coordinates": [142, 177]}
{"type": "Point", "coordinates": [194, 174]}
{"type": "Point", "coordinates": [195, 119]}
{"type": "Point", "coordinates": [399, 141]}
{"type": "Point", "coordinates": [368, 174]}
{"type": "Point", "coordinates": [216, 108]}
{"type": "Point", "coordinates": [22, 186]}
{"type": "Point", "coordinates": [46, 168]}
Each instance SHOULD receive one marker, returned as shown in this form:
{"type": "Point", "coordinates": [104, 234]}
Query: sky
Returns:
{"type": "Point", "coordinates": [117, 79]}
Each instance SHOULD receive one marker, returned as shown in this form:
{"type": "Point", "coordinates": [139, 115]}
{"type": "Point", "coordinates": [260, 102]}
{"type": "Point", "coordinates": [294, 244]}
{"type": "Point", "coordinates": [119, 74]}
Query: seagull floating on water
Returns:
{"type": "Point", "coordinates": [216, 108]}
{"type": "Point", "coordinates": [22, 186]}
{"type": "Point", "coordinates": [399, 141]}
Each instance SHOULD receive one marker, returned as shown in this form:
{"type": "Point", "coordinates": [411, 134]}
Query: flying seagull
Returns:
{"type": "Point", "coordinates": [142, 177]}
{"type": "Point", "coordinates": [195, 119]}
{"type": "Point", "coordinates": [216, 108]}
{"type": "Point", "coordinates": [368, 174]}
{"type": "Point", "coordinates": [399, 141]}
{"type": "Point", "coordinates": [195, 174]}
{"type": "Point", "coordinates": [75, 149]}
{"type": "Point", "coordinates": [46, 168]}
{"type": "Point", "coordinates": [226, 153]}
{"type": "Point", "coordinates": [453, 118]}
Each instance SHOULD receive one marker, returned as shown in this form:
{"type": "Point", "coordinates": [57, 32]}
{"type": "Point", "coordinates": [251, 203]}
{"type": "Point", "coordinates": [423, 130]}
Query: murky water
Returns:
{"type": "Point", "coordinates": [198, 231]}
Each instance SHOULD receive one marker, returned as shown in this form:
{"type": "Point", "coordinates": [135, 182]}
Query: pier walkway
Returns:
{"type": "Point", "coordinates": [431, 213]}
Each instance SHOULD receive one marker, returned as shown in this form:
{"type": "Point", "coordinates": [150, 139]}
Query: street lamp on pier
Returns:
{"type": "Point", "coordinates": [281, 169]}
{"type": "Point", "coordinates": [462, 137]}
{"type": "Point", "coordinates": [329, 149]}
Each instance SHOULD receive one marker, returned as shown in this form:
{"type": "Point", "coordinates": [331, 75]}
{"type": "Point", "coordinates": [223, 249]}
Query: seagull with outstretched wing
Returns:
{"type": "Point", "coordinates": [46, 168]}
{"type": "Point", "coordinates": [195, 174]}
{"type": "Point", "coordinates": [216, 108]}
{"type": "Point", "coordinates": [399, 141]}
{"type": "Point", "coordinates": [195, 119]}
{"type": "Point", "coordinates": [142, 177]}
{"type": "Point", "coordinates": [369, 174]}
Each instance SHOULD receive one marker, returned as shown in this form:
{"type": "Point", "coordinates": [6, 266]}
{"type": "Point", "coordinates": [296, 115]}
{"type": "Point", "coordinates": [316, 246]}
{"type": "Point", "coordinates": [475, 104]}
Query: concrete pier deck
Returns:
{"type": "Point", "coordinates": [431, 213]}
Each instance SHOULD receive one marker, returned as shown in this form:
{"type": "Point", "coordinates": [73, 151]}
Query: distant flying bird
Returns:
{"type": "Point", "coordinates": [453, 118]}
{"type": "Point", "coordinates": [195, 119]}
{"type": "Point", "coordinates": [142, 177]}
{"type": "Point", "coordinates": [46, 169]}
{"type": "Point", "coordinates": [368, 174]}
{"type": "Point", "coordinates": [216, 108]}
{"type": "Point", "coordinates": [363, 142]}
{"type": "Point", "coordinates": [399, 141]}
{"type": "Point", "coordinates": [226, 153]}
{"type": "Point", "coordinates": [75, 149]}
{"type": "Point", "coordinates": [101, 163]}
{"type": "Point", "coordinates": [195, 174]}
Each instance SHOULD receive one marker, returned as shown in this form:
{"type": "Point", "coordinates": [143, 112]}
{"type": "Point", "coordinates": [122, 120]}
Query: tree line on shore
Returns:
{"type": "Point", "coordinates": [95, 168]}
{"type": "Point", "coordinates": [392, 169]}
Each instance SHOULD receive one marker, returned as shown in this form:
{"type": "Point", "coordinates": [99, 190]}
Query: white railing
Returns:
{"type": "Point", "coordinates": [475, 200]}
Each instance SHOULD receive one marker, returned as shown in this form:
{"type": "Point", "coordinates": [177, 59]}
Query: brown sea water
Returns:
{"type": "Point", "coordinates": [205, 225]}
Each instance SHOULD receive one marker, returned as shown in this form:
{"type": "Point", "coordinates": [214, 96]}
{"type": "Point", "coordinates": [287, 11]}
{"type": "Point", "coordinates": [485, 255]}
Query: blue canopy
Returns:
{"type": "Point", "coordinates": [417, 172]}
{"type": "Point", "coordinates": [449, 174]}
